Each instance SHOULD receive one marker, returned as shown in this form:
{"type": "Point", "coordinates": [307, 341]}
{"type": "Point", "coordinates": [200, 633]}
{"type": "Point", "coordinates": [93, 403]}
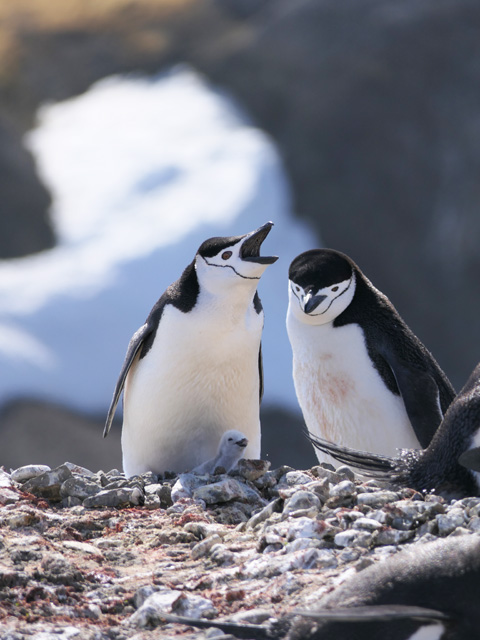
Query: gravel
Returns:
{"type": "Point", "coordinates": [95, 556]}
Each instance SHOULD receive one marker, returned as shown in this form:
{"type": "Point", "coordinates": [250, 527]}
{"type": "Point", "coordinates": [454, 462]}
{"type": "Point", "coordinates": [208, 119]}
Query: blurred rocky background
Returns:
{"type": "Point", "coordinates": [374, 105]}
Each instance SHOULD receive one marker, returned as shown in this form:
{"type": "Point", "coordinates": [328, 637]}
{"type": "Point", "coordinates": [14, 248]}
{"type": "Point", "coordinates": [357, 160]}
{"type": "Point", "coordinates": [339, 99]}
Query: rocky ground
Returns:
{"type": "Point", "coordinates": [94, 556]}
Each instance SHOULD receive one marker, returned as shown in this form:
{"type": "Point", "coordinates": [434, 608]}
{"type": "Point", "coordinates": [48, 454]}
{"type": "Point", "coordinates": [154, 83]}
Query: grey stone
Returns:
{"type": "Point", "coordinates": [389, 536]}
{"type": "Point", "coordinates": [474, 524]}
{"type": "Point", "coordinates": [377, 498]}
{"type": "Point", "coordinates": [368, 524]}
{"type": "Point", "coordinates": [221, 555]}
{"type": "Point", "coordinates": [302, 500]}
{"type": "Point", "coordinates": [343, 489]}
{"type": "Point", "coordinates": [327, 472]}
{"type": "Point", "coordinates": [226, 490]}
{"type": "Point", "coordinates": [79, 488]}
{"type": "Point", "coordinates": [114, 498]}
{"type": "Point", "coordinates": [193, 606]}
{"type": "Point", "coordinates": [449, 521]}
{"type": "Point", "coordinates": [22, 474]}
{"type": "Point", "coordinates": [149, 613]}
{"type": "Point", "coordinates": [252, 470]}
{"type": "Point", "coordinates": [203, 547]}
{"type": "Point", "coordinates": [307, 528]}
{"type": "Point", "coordinates": [292, 478]}
{"type": "Point", "coordinates": [265, 513]}
{"type": "Point", "coordinates": [48, 484]}
{"type": "Point", "coordinates": [353, 538]}
{"type": "Point", "coordinates": [346, 471]}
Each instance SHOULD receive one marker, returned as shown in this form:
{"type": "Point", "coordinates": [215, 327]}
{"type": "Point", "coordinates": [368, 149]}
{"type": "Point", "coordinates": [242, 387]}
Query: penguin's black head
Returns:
{"type": "Point", "coordinates": [321, 285]}
{"type": "Point", "coordinates": [221, 259]}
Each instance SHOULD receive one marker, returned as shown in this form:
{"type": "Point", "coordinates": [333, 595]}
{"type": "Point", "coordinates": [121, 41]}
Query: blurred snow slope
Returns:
{"type": "Point", "coordinates": [141, 171]}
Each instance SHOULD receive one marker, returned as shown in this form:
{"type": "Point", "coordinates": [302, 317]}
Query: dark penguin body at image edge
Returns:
{"type": "Point", "coordinates": [194, 370]}
{"type": "Point", "coordinates": [362, 378]}
{"type": "Point", "coordinates": [450, 465]}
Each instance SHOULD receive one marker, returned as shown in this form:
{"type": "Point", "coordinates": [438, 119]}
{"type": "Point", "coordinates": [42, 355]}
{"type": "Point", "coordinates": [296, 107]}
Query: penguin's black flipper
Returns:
{"type": "Point", "coordinates": [134, 346]}
{"type": "Point", "coordinates": [379, 612]}
{"type": "Point", "coordinates": [239, 630]}
{"type": "Point", "coordinates": [370, 464]}
{"type": "Point", "coordinates": [421, 396]}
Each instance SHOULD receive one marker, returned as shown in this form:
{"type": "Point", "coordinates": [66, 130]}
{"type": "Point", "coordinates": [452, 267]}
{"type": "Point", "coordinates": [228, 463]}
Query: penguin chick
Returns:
{"type": "Point", "coordinates": [429, 592]}
{"type": "Point", "coordinates": [230, 449]}
{"type": "Point", "coordinates": [194, 369]}
{"type": "Point", "coordinates": [362, 378]}
{"type": "Point", "coordinates": [450, 465]}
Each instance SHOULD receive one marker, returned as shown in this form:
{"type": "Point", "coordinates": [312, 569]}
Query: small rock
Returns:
{"type": "Point", "coordinates": [47, 485]}
{"type": "Point", "coordinates": [377, 498]}
{"type": "Point", "coordinates": [75, 468]}
{"type": "Point", "coordinates": [252, 470]}
{"type": "Point", "coordinates": [327, 472]}
{"type": "Point", "coordinates": [221, 555]}
{"type": "Point", "coordinates": [307, 528]}
{"type": "Point", "coordinates": [79, 488]}
{"type": "Point", "coordinates": [474, 524]}
{"type": "Point", "coordinates": [346, 472]}
{"type": "Point", "coordinates": [393, 536]}
{"type": "Point", "coordinates": [302, 500]}
{"type": "Point", "coordinates": [142, 594]}
{"type": "Point", "coordinates": [273, 507]}
{"type": "Point", "coordinates": [193, 606]}
{"type": "Point", "coordinates": [292, 478]}
{"type": "Point", "coordinates": [114, 498]}
{"type": "Point", "coordinates": [353, 538]}
{"type": "Point", "coordinates": [203, 547]}
{"type": "Point", "coordinates": [150, 612]}
{"type": "Point", "coordinates": [225, 491]}
{"type": "Point", "coordinates": [251, 616]}
{"type": "Point", "coordinates": [343, 489]}
{"type": "Point", "coordinates": [368, 524]}
{"type": "Point", "coordinates": [449, 521]}
{"type": "Point", "coordinates": [320, 487]}
{"type": "Point", "coordinates": [22, 474]}
{"type": "Point", "coordinates": [85, 547]}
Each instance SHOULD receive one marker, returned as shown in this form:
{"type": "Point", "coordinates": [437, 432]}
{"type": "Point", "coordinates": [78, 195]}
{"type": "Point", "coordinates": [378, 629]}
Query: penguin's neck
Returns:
{"type": "Point", "coordinates": [233, 305]}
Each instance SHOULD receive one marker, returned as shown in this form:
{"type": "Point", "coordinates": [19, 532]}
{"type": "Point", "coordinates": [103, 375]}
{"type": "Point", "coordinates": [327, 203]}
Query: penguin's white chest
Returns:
{"type": "Point", "coordinates": [199, 379]}
{"type": "Point", "coordinates": [342, 396]}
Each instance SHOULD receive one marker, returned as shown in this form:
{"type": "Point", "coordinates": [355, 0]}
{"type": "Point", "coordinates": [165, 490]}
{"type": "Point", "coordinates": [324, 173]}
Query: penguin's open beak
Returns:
{"type": "Point", "coordinates": [242, 443]}
{"type": "Point", "coordinates": [250, 249]}
{"type": "Point", "coordinates": [311, 302]}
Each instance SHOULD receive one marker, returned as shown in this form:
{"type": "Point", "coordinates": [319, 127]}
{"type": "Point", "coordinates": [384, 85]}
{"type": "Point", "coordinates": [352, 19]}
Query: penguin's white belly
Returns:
{"type": "Point", "coordinates": [197, 381]}
{"type": "Point", "coordinates": [342, 396]}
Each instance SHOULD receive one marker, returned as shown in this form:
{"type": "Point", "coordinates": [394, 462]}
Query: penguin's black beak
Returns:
{"type": "Point", "coordinates": [311, 302]}
{"type": "Point", "coordinates": [250, 249]}
{"type": "Point", "coordinates": [242, 443]}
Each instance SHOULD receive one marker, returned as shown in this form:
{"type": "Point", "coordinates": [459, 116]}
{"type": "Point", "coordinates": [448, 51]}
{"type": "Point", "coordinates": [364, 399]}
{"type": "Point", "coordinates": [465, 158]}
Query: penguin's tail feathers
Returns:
{"type": "Point", "coordinates": [372, 465]}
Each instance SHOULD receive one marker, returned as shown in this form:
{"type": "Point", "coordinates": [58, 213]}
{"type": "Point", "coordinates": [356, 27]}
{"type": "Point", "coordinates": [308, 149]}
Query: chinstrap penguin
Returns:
{"type": "Point", "coordinates": [428, 592]}
{"type": "Point", "coordinates": [194, 369]}
{"type": "Point", "coordinates": [362, 378]}
{"type": "Point", "coordinates": [230, 450]}
{"type": "Point", "coordinates": [450, 465]}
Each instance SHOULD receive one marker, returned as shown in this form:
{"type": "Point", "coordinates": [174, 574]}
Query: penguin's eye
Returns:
{"type": "Point", "coordinates": [226, 255]}
{"type": "Point", "coordinates": [230, 439]}
{"type": "Point", "coordinates": [335, 288]}
{"type": "Point", "coordinates": [297, 288]}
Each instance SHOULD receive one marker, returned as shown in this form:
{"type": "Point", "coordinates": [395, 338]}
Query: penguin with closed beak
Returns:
{"type": "Point", "coordinates": [362, 378]}
{"type": "Point", "coordinates": [194, 370]}
{"type": "Point", "coordinates": [450, 465]}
